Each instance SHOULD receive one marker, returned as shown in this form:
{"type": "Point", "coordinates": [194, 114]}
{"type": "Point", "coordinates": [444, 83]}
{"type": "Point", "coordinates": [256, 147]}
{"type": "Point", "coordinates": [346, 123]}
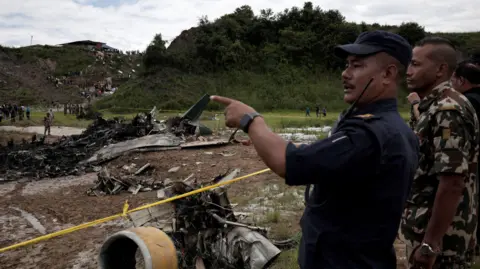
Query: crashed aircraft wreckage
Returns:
{"type": "Point", "coordinates": [102, 141]}
{"type": "Point", "coordinates": [200, 231]}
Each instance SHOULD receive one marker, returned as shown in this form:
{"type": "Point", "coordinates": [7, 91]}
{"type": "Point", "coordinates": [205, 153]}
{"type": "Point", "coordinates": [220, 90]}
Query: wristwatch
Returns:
{"type": "Point", "coordinates": [247, 119]}
{"type": "Point", "coordinates": [415, 102]}
{"type": "Point", "coordinates": [427, 250]}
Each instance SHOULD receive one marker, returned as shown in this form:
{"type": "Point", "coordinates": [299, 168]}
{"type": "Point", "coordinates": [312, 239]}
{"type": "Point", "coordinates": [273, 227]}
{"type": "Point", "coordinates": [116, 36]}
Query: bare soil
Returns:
{"type": "Point", "coordinates": [54, 130]}
{"type": "Point", "coordinates": [19, 137]}
{"type": "Point", "coordinates": [62, 202]}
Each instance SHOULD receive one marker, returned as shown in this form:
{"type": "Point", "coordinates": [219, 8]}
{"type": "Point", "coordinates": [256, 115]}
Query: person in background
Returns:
{"type": "Point", "coordinates": [47, 122]}
{"type": "Point", "coordinates": [307, 112]}
{"type": "Point", "coordinates": [21, 112]}
{"type": "Point", "coordinates": [13, 114]}
{"type": "Point", "coordinates": [52, 116]}
{"type": "Point", "coordinates": [317, 110]}
{"type": "Point", "coordinates": [440, 215]}
{"type": "Point", "coordinates": [27, 111]}
{"type": "Point", "coordinates": [466, 79]}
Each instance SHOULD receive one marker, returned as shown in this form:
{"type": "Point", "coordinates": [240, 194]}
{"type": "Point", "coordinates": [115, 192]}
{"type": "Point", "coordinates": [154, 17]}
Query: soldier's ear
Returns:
{"type": "Point", "coordinates": [442, 69]}
{"type": "Point", "coordinates": [390, 73]}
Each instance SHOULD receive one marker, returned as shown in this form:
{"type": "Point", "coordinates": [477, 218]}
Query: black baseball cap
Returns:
{"type": "Point", "coordinates": [373, 42]}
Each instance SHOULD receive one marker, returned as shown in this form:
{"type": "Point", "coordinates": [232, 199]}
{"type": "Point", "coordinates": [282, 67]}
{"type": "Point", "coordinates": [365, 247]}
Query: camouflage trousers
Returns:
{"type": "Point", "coordinates": [442, 262]}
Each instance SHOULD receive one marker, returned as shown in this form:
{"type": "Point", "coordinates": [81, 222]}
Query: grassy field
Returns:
{"type": "Point", "coordinates": [276, 120]}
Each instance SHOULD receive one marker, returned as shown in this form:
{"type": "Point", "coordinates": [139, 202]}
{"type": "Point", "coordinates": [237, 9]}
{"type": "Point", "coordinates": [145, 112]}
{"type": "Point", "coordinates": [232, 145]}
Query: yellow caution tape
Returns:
{"type": "Point", "coordinates": [124, 213]}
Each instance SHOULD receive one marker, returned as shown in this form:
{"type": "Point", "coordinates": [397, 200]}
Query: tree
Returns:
{"type": "Point", "coordinates": [156, 53]}
{"type": "Point", "coordinates": [304, 37]}
{"type": "Point", "coordinates": [412, 32]}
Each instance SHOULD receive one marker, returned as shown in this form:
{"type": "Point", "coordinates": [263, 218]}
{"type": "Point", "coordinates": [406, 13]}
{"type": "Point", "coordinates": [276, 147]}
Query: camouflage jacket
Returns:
{"type": "Point", "coordinates": [448, 134]}
{"type": "Point", "coordinates": [413, 119]}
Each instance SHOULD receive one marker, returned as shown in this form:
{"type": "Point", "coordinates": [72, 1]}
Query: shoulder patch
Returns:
{"type": "Point", "coordinates": [444, 107]}
{"type": "Point", "coordinates": [365, 116]}
{"type": "Point", "coordinates": [446, 132]}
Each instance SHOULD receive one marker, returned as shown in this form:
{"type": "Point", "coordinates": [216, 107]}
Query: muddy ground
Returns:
{"type": "Point", "coordinates": [19, 137]}
{"type": "Point", "coordinates": [54, 130]}
{"type": "Point", "coordinates": [61, 203]}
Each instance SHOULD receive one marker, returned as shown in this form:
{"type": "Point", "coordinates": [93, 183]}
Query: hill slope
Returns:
{"type": "Point", "coordinates": [271, 61]}
{"type": "Point", "coordinates": [28, 75]}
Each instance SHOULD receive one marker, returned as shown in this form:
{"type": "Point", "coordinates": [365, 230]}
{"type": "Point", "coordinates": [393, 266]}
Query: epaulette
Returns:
{"type": "Point", "coordinates": [366, 116]}
{"type": "Point", "coordinates": [446, 107]}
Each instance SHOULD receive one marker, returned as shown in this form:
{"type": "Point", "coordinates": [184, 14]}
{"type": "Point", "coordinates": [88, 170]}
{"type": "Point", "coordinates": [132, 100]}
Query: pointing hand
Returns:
{"type": "Point", "coordinates": [234, 110]}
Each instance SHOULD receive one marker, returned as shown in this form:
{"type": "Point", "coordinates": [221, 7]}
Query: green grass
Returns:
{"type": "Point", "coordinates": [275, 120]}
{"type": "Point", "coordinates": [286, 260]}
{"type": "Point", "coordinates": [285, 87]}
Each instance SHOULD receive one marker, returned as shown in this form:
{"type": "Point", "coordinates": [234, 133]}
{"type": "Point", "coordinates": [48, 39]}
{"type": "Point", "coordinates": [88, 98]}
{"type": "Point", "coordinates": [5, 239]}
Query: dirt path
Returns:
{"type": "Point", "coordinates": [54, 130]}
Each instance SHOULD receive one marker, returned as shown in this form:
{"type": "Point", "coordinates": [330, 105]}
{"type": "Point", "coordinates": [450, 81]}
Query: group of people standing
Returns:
{"type": "Point", "coordinates": [12, 112]}
{"type": "Point", "coordinates": [375, 179]}
{"type": "Point", "coordinates": [317, 111]}
{"type": "Point", "coordinates": [72, 109]}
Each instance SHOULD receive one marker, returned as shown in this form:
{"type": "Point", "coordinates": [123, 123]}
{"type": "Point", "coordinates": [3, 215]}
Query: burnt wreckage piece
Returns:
{"type": "Point", "coordinates": [39, 160]}
{"type": "Point", "coordinates": [204, 230]}
{"type": "Point", "coordinates": [64, 157]}
{"type": "Point", "coordinates": [189, 122]}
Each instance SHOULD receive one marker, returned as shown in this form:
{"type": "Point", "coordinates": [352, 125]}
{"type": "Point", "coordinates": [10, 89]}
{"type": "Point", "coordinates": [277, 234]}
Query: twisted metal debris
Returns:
{"type": "Point", "coordinates": [207, 233]}
{"type": "Point", "coordinates": [38, 159]}
{"type": "Point", "coordinates": [64, 157]}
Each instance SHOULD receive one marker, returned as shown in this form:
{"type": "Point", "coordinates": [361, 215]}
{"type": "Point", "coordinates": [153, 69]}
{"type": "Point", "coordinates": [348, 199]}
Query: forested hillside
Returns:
{"type": "Point", "coordinates": [271, 61]}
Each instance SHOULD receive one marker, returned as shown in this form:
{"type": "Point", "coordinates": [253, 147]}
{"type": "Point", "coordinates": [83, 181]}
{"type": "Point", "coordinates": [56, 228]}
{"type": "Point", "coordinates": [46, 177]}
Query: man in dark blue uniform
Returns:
{"type": "Point", "coordinates": [361, 174]}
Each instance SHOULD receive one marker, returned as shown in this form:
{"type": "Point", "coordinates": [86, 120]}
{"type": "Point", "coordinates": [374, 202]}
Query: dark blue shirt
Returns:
{"type": "Point", "coordinates": [362, 175]}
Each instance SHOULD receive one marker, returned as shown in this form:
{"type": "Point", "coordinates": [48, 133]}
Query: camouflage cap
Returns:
{"type": "Point", "coordinates": [373, 42]}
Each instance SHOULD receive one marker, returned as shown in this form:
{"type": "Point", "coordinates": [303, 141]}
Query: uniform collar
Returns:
{"type": "Point", "coordinates": [378, 106]}
{"type": "Point", "coordinates": [432, 96]}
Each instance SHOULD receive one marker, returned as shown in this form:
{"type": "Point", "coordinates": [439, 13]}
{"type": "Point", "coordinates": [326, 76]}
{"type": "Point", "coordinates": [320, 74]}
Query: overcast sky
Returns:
{"type": "Point", "coordinates": [131, 24]}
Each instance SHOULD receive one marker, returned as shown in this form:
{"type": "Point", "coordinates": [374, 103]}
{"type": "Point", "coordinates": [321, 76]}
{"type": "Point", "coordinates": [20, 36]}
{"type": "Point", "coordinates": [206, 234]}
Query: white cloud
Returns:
{"type": "Point", "coordinates": [133, 24]}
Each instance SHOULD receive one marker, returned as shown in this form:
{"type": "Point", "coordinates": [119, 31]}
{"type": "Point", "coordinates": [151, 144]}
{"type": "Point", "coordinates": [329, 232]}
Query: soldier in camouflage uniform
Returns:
{"type": "Point", "coordinates": [440, 216]}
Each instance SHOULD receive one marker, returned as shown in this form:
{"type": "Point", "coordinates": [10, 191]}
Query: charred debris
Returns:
{"type": "Point", "coordinates": [104, 140]}
{"type": "Point", "coordinates": [206, 231]}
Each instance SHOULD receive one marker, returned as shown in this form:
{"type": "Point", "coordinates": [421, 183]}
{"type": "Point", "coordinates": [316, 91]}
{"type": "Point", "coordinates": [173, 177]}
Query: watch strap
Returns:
{"type": "Point", "coordinates": [428, 250]}
{"type": "Point", "coordinates": [247, 120]}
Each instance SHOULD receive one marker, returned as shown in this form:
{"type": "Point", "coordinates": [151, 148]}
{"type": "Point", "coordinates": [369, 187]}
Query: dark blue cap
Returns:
{"type": "Point", "coordinates": [373, 42]}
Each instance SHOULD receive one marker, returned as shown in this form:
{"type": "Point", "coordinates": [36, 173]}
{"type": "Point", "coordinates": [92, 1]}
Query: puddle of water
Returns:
{"type": "Point", "coordinates": [299, 136]}
{"type": "Point", "coordinates": [55, 130]}
{"type": "Point", "coordinates": [323, 129]}
{"type": "Point", "coordinates": [306, 134]}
